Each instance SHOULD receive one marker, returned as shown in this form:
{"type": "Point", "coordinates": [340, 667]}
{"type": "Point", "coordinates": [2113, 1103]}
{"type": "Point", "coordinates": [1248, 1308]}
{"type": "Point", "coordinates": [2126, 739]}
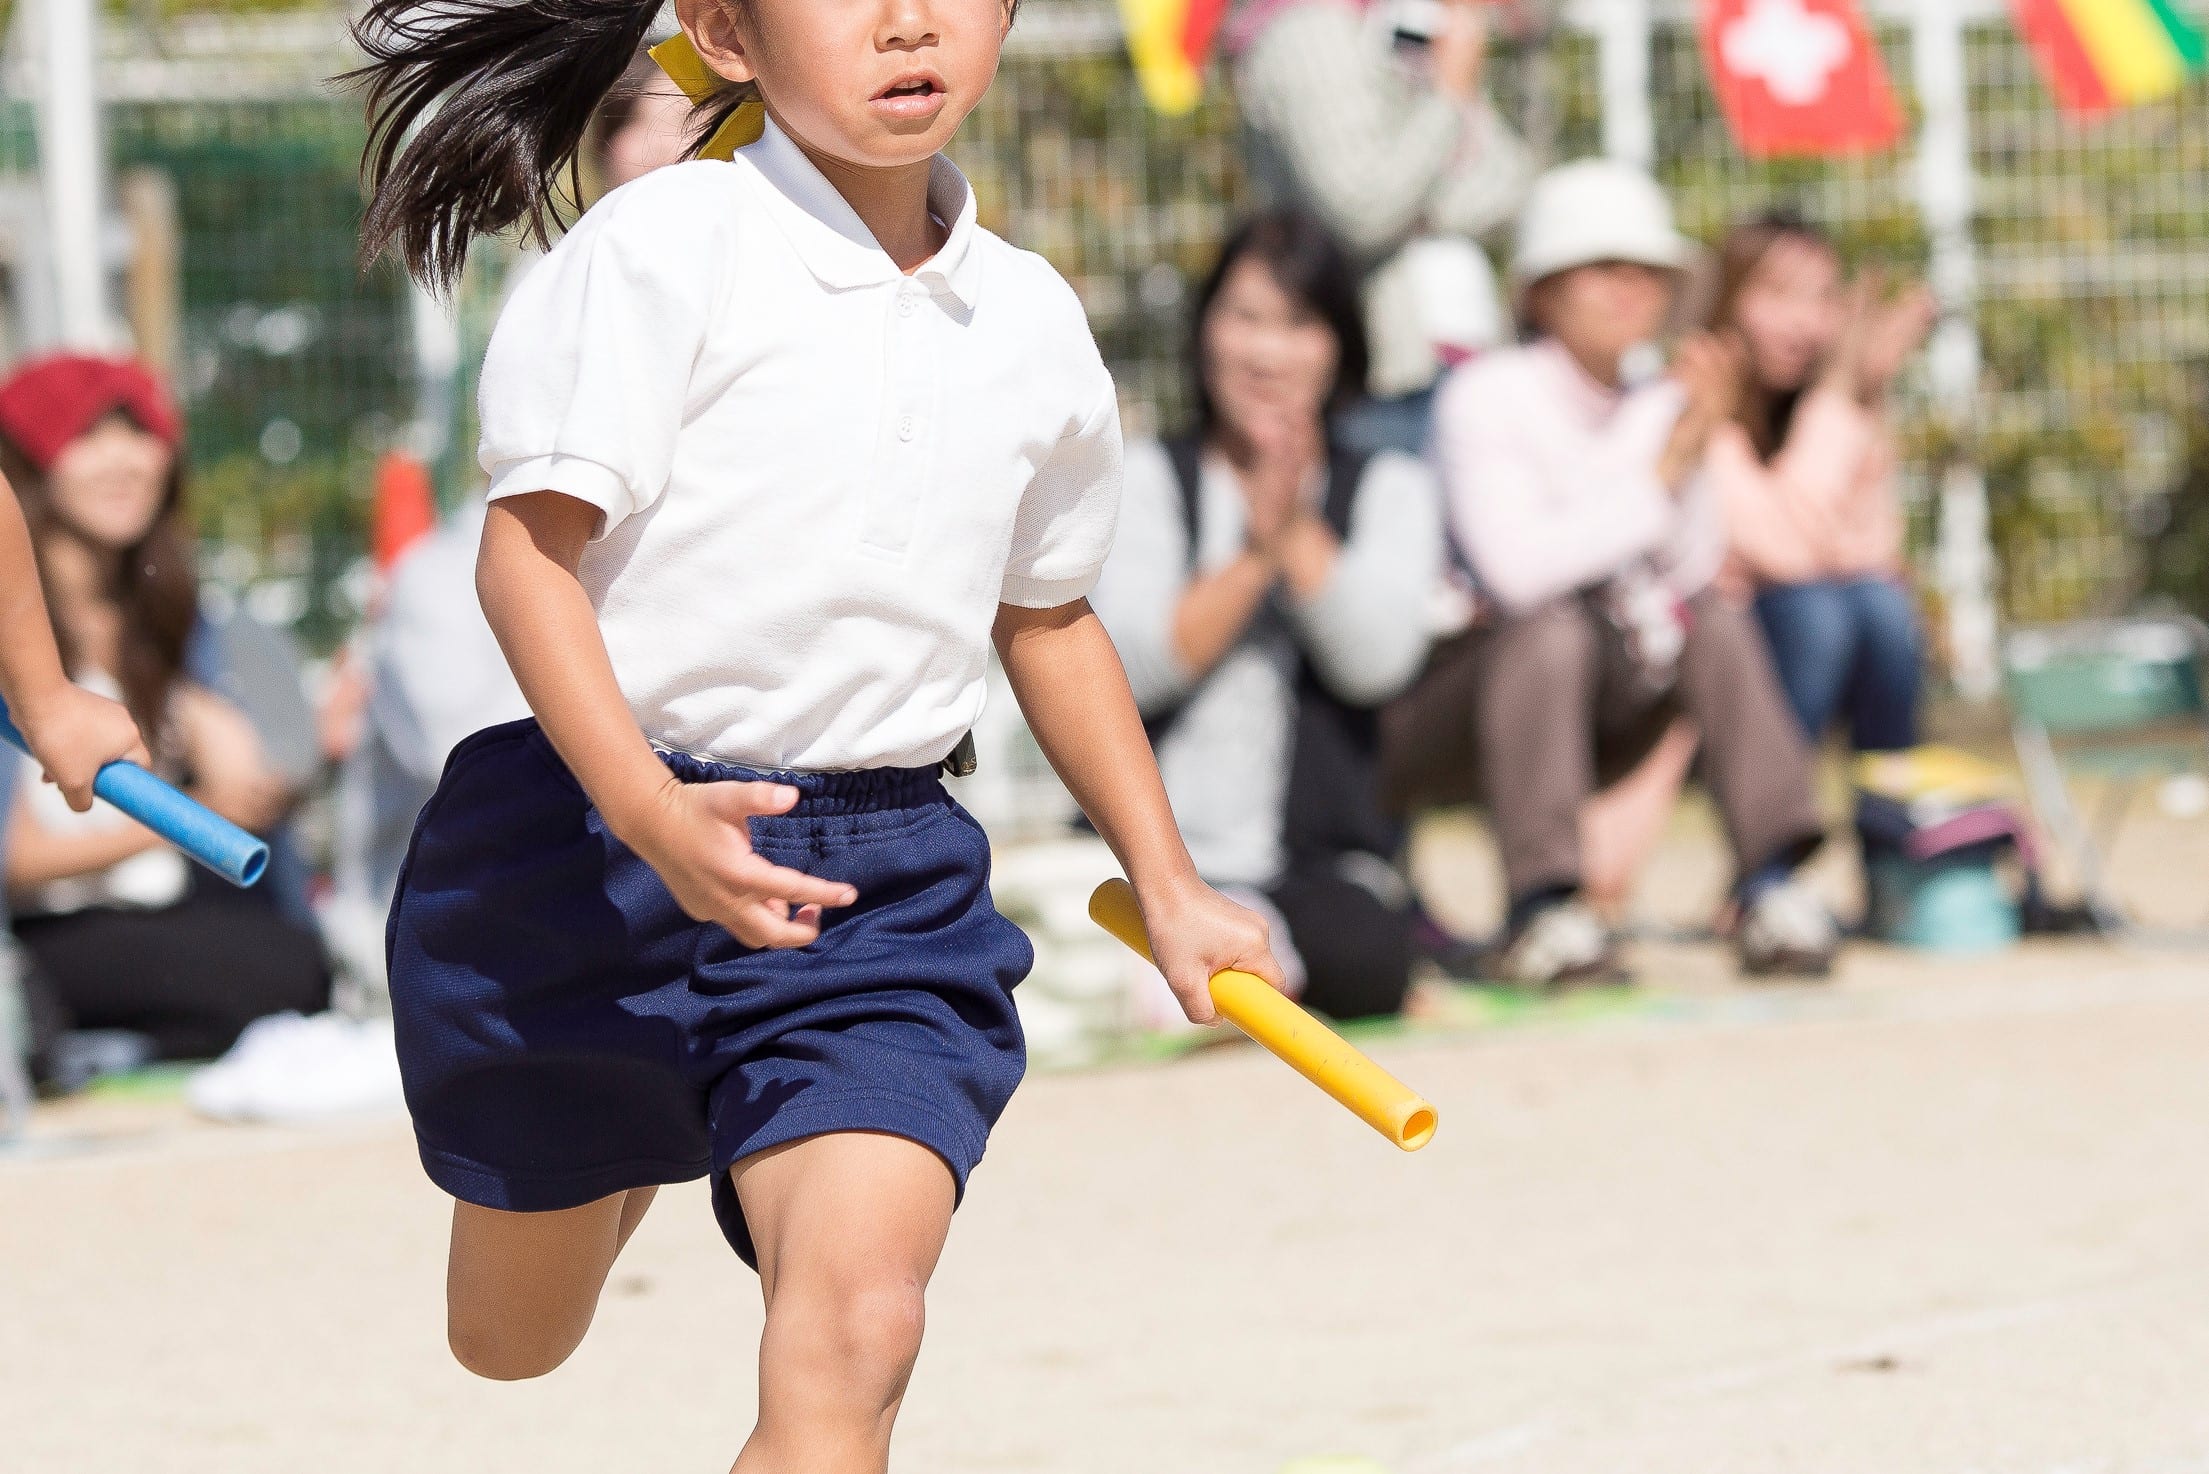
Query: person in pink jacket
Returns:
{"type": "Point", "coordinates": [1805, 474]}
{"type": "Point", "coordinates": [1572, 475]}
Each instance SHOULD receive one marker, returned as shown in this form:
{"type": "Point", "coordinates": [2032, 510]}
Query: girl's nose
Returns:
{"type": "Point", "coordinates": [908, 22]}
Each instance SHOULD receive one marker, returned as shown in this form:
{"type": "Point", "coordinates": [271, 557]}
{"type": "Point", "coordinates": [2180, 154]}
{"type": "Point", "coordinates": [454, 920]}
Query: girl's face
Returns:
{"type": "Point", "coordinates": [1600, 311]}
{"type": "Point", "coordinates": [1790, 313]}
{"type": "Point", "coordinates": [1266, 354]}
{"type": "Point", "coordinates": [874, 83]}
{"type": "Point", "coordinates": [108, 484]}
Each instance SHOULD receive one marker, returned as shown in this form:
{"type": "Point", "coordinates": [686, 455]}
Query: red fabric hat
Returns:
{"type": "Point", "coordinates": [51, 401]}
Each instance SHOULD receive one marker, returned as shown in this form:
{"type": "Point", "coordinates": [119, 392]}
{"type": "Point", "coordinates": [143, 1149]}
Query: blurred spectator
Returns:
{"type": "Point", "coordinates": [1371, 114]}
{"type": "Point", "coordinates": [260, 669]}
{"type": "Point", "coordinates": [1570, 470]}
{"type": "Point", "coordinates": [15, 1043]}
{"type": "Point", "coordinates": [123, 932]}
{"type": "Point", "coordinates": [1806, 473]}
{"type": "Point", "coordinates": [1268, 590]}
{"type": "Point", "coordinates": [643, 124]}
{"type": "Point", "coordinates": [431, 669]}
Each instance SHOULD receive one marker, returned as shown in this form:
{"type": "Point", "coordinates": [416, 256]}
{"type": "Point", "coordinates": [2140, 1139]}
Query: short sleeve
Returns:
{"type": "Point", "coordinates": [588, 373]}
{"type": "Point", "coordinates": [1064, 527]}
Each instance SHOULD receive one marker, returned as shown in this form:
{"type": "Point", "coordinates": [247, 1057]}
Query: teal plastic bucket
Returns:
{"type": "Point", "coordinates": [1950, 905]}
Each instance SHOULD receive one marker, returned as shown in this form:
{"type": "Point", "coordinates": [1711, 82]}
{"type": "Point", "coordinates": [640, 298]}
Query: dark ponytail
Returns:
{"type": "Point", "coordinates": [519, 79]}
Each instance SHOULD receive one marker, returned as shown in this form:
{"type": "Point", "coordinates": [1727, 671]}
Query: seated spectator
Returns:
{"type": "Point", "coordinates": [1376, 119]}
{"type": "Point", "coordinates": [1571, 479]}
{"type": "Point", "coordinates": [1805, 469]}
{"type": "Point", "coordinates": [122, 931]}
{"type": "Point", "coordinates": [428, 672]}
{"type": "Point", "coordinates": [1268, 591]}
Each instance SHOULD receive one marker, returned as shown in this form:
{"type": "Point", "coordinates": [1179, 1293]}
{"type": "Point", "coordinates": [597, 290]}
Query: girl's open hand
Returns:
{"type": "Point", "coordinates": [74, 734]}
{"type": "Point", "coordinates": [1195, 932]}
{"type": "Point", "coordinates": [699, 839]}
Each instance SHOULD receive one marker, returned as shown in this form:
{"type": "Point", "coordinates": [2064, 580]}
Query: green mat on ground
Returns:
{"type": "Point", "coordinates": [152, 1082]}
{"type": "Point", "coordinates": [1471, 1008]}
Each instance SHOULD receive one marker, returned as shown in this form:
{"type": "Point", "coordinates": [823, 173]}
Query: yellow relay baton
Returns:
{"type": "Point", "coordinates": [1315, 1051]}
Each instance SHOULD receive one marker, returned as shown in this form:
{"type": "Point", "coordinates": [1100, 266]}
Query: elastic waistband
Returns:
{"type": "Point", "coordinates": [821, 795]}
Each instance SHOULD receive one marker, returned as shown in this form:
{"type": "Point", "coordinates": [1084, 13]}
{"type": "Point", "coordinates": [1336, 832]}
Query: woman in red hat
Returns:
{"type": "Point", "coordinates": [122, 932]}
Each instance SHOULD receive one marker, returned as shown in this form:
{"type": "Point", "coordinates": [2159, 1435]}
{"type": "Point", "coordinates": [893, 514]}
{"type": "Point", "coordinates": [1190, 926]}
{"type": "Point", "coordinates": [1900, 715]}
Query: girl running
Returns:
{"type": "Point", "coordinates": [777, 447]}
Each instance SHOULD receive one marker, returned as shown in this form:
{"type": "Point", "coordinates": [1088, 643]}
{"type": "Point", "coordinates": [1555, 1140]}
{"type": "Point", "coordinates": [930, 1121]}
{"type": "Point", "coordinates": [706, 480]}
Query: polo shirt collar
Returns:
{"type": "Point", "coordinates": [835, 244]}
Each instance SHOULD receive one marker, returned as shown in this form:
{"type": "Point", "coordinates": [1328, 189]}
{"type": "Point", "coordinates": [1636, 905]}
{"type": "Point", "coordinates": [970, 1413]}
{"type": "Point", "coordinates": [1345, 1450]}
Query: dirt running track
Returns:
{"type": "Point", "coordinates": [1951, 1222]}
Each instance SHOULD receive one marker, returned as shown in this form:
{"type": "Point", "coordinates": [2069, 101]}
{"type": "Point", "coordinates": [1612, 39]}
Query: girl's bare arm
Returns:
{"type": "Point", "coordinates": [1068, 679]}
{"type": "Point", "coordinates": [695, 835]}
{"type": "Point", "coordinates": [72, 732]}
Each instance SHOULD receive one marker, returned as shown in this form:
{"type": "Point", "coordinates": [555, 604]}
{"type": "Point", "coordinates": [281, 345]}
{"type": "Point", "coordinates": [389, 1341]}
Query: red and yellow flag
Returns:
{"type": "Point", "coordinates": [2104, 54]}
{"type": "Point", "coordinates": [1170, 41]}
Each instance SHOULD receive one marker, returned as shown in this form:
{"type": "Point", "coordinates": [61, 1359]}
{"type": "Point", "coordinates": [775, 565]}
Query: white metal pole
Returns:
{"type": "Point", "coordinates": [72, 170]}
{"type": "Point", "coordinates": [1623, 36]}
{"type": "Point", "coordinates": [1946, 190]}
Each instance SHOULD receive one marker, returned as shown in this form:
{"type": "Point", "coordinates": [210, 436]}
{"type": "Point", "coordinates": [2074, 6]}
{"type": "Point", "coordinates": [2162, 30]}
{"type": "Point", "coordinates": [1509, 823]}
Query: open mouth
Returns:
{"type": "Point", "coordinates": [916, 86]}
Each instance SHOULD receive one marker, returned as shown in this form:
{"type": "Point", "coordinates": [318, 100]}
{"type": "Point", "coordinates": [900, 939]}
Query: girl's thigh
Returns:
{"type": "Point", "coordinates": [826, 1212]}
{"type": "Point", "coordinates": [520, 1288]}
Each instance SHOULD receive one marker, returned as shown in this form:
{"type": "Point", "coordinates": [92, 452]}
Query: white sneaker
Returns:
{"type": "Point", "coordinates": [1788, 932]}
{"type": "Point", "coordinates": [1562, 944]}
{"type": "Point", "coordinates": [286, 1068]}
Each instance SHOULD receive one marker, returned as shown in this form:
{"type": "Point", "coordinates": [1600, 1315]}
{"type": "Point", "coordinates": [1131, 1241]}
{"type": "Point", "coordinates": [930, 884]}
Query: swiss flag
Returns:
{"type": "Point", "coordinates": [1799, 77]}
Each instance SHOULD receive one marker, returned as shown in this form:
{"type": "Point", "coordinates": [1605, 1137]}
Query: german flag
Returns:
{"type": "Point", "coordinates": [2099, 55]}
{"type": "Point", "coordinates": [1170, 41]}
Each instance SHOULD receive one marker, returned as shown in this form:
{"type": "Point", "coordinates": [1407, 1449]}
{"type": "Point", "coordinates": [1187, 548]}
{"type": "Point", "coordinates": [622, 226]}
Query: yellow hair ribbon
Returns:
{"type": "Point", "coordinates": [682, 63]}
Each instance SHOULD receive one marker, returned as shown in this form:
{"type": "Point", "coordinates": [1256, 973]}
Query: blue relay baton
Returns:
{"type": "Point", "coordinates": [193, 828]}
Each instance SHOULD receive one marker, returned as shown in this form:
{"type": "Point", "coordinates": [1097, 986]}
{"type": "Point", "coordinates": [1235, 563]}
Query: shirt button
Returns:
{"type": "Point", "coordinates": [906, 427]}
{"type": "Point", "coordinates": [905, 307]}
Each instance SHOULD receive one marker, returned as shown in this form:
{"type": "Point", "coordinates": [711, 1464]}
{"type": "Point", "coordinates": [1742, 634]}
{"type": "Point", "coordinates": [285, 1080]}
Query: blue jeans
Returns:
{"type": "Point", "coordinates": [1846, 647]}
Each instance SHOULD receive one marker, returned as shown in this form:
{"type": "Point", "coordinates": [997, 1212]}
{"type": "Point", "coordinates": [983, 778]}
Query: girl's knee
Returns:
{"type": "Point", "coordinates": [500, 1351]}
{"type": "Point", "coordinates": [868, 1330]}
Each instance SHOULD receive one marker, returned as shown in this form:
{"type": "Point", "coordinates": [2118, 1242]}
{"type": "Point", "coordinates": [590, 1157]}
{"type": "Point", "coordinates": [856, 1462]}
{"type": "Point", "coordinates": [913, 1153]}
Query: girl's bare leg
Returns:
{"type": "Point", "coordinates": [849, 1227]}
{"type": "Point", "coordinates": [520, 1288]}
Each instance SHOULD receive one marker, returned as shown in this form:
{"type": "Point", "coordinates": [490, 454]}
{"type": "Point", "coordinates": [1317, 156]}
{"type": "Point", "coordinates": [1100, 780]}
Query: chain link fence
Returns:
{"type": "Point", "coordinates": [237, 212]}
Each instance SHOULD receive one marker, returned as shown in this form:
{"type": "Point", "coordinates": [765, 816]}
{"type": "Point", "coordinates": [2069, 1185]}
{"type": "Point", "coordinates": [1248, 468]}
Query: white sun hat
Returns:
{"type": "Point", "coordinates": [1596, 210]}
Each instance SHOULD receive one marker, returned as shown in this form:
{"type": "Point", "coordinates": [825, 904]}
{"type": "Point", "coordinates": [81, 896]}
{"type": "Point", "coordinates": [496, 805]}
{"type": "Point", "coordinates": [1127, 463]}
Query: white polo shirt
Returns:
{"type": "Point", "coordinates": [819, 476]}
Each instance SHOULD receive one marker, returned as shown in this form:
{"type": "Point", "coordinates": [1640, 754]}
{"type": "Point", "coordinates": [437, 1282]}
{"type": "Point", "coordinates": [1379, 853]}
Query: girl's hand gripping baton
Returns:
{"type": "Point", "coordinates": [196, 830]}
{"type": "Point", "coordinates": [1317, 1052]}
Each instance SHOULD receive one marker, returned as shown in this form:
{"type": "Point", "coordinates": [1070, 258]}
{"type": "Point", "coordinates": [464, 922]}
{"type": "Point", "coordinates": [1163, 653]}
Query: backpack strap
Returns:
{"type": "Point", "coordinates": [1186, 455]}
{"type": "Point", "coordinates": [1333, 795]}
{"type": "Point", "coordinates": [1186, 452]}
{"type": "Point", "coordinates": [1345, 473]}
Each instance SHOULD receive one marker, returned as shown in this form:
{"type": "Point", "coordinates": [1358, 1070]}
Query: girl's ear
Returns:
{"type": "Point", "coordinates": [711, 26]}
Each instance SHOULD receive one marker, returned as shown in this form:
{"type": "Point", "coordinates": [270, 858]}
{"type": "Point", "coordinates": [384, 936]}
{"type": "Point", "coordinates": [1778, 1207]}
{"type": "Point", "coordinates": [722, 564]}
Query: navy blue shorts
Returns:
{"type": "Point", "coordinates": [566, 1032]}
